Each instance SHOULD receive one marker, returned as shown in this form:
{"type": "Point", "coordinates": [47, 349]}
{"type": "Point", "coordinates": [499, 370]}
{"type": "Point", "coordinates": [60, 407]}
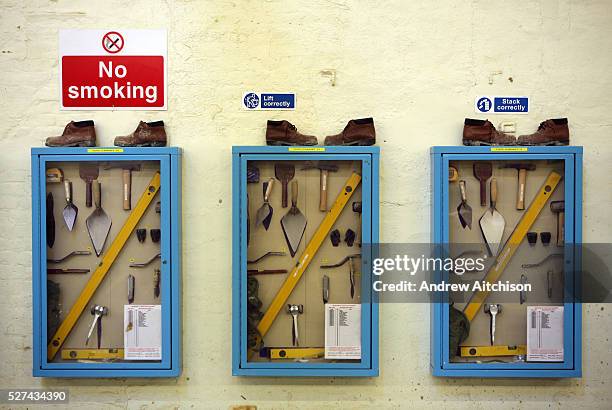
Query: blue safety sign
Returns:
{"type": "Point", "coordinates": [268, 101]}
{"type": "Point", "coordinates": [501, 105]}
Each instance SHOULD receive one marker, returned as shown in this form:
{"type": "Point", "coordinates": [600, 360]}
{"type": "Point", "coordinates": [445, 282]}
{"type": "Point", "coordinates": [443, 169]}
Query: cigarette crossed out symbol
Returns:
{"type": "Point", "coordinates": [112, 42]}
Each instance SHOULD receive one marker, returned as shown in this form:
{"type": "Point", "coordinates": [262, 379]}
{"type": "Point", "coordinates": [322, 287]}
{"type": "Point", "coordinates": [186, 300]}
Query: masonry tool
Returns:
{"type": "Point", "coordinates": [98, 223]}
{"type": "Point", "coordinates": [155, 235]}
{"type": "Point", "coordinates": [522, 293]}
{"type": "Point", "coordinates": [141, 234]}
{"type": "Point", "coordinates": [97, 311]}
{"type": "Point", "coordinates": [264, 214]}
{"type": "Point", "coordinates": [532, 238]}
{"type": "Point", "coordinates": [88, 171]}
{"type": "Point", "coordinates": [349, 237]}
{"type": "Point", "coordinates": [284, 173]}
{"type": "Point", "coordinates": [54, 175]}
{"type": "Point", "coordinates": [513, 242]}
{"type": "Point", "coordinates": [293, 352]}
{"type": "Point", "coordinates": [357, 210]}
{"type": "Point", "coordinates": [248, 227]}
{"type": "Point", "coordinates": [324, 169]}
{"type": "Point", "coordinates": [325, 288]}
{"type": "Point", "coordinates": [464, 210]}
{"type": "Point", "coordinates": [558, 207]}
{"type": "Point", "coordinates": [304, 261]}
{"type": "Point", "coordinates": [493, 351]}
{"type": "Point", "coordinates": [265, 255]}
{"type": "Point", "coordinates": [549, 284]}
{"type": "Point", "coordinates": [294, 311]}
{"type": "Point", "coordinates": [252, 272]}
{"type": "Point", "coordinates": [252, 174]}
{"type": "Point", "coordinates": [127, 168]}
{"type": "Point", "coordinates": [70, 211]}
{"type": "Point", "coordinates": [103, 267]}
{"type": "Point", "coordinates": [335, 238]}
{"type": "Point", "coordinates": [351, 265]}
{"type": "Point", "coordinates": [92, 354]}
{"type": "Point", "coordinates": [522, 169]}
{"type": "Point", "coordinates": [453, 174]}
{"type": "Point", "coordinates": [294, 222]}
{"type": "Point", "coordinates": [542, 262]}
{"type": "Point", "coordinates": [131, 287]}
{"type": "Point", "coordinates": [50, 223]}
{"type": "Point", "coordinates": [482, 172]}
{"type": "Point", "coordinates": [143, 264]}
{"type": "Point", "coordinates": [493, 310]}
{"type": "Point", "coordinates": [70, 255]}
{"type": "Point", "coordinates": [55, 271]}
{"type": "Point", "coordinates": [156, 280]}
{"type": "Point", "coordinates": [492, 223]}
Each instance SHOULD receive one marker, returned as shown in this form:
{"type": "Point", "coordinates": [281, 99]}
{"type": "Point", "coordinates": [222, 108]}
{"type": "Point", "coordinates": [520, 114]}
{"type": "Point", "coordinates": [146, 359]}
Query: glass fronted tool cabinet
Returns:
{"type": "Point", "coordinates": [304, 221]}
{"type": "Point", "coordinates": [516, 212]}
{"type": "Point", "coordinates": [106, 249]}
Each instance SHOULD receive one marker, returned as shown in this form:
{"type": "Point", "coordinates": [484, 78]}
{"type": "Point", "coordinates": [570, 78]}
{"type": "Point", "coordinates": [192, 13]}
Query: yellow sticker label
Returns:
{"type": "Point", "coordinates": [103, 150]}
{"type": "Point", "coordinates": [509, 149]}
{"type": "Point", "coordinates": [306, 149]}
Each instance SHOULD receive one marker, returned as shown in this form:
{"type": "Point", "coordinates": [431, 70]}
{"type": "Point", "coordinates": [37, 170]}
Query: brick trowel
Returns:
{"type": "Point", "coordinates": [98, 223]}
{"type": "Point", "coordinates": [492, 223]}
{"type": "Point", "coordinates": [294, 222]}
{"type": "Point", "coordinates": [464, 210]}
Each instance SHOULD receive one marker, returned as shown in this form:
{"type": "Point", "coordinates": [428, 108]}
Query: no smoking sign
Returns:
{"type": "Point", "coordinates": [113, 69]}
{"type": "Point", "coordinates": [112, 42]}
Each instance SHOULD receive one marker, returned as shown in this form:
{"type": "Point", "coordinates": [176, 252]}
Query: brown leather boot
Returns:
{"type": "Point", "coordinates": [76, 134]}
{"type": "Point", "coordinates": [550, 132]}
{"type": "Point", "coordinates": [285, 133]}
{"type": "Point", "coordinates": [356, 132]}
{"type": "Point", "coordinates": [482, 132]}
{"type": "Point", "coordinates": [147, 134]}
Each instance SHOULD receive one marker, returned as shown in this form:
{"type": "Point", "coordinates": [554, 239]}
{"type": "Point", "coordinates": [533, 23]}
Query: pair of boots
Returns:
{"type": "Point", "coordinates": [482, 132]}
{"type": "Point", "coordinates": [83, 134]}
{"type": "Point", "coordinates": [356, 132]}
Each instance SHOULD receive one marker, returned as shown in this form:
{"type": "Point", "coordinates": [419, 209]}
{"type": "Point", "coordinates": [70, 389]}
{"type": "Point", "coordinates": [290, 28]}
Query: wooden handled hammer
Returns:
{"type": "Point", "coordinates": [558, 207]}
{"type": "Point", "coordinates": [522, 169]}
{"type": "Point", "coordinates": [325, 167]}
{"type": "Point", "coordinates": [127, 167]}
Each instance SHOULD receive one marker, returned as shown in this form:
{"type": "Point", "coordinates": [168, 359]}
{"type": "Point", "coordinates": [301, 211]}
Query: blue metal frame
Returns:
{"type": "Point", "coordinates": [440, 361]}
{"type": "Point", "coordinates": [369, 157]}
{"type": "Point", "coordinates": [169, 159]}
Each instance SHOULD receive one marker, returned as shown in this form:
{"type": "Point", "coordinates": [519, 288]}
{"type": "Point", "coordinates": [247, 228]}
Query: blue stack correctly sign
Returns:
{"type": "Point", "coordinates": [268, 101]}
{"type": "Point", "coordinates": [501, 105]}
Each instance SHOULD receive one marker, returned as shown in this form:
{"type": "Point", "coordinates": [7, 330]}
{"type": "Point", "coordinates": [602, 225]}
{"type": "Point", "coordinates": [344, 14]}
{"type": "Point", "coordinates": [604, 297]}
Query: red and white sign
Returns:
{"type": "Point", "coordinates": [113, 69]}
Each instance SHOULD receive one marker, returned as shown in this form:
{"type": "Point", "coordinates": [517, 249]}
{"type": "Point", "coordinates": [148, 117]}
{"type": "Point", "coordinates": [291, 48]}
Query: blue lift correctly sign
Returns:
{"type": "Point", "coordinates": [268, 101]}
{"type": "Point", "coordinates": [501, 105]}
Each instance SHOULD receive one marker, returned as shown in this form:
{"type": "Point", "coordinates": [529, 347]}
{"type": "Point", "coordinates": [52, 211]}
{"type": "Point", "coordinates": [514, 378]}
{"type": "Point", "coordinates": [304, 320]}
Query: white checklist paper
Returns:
{"type": "Point", "coordinates": [343, 331]}
{"type": "Point", "coordinates": [545, 333]}
{"type": "Point", "coordinates": [142, 332]}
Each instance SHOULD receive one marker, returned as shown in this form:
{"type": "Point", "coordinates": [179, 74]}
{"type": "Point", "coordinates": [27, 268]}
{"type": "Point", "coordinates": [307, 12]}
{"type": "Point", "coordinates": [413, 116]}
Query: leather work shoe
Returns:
{"type": "Point", "coordinates": [356, 132]}
{"type": "Point", "coordinates": [147, 134]}
{"type": "Point", "coordinates": [550, 132]}
{"type": "Point", "coordinates": [483, 132]}
{"type": "Point", "coordinates": [76, 134]}
{"type": "Point", "coordinates": [285, 133]}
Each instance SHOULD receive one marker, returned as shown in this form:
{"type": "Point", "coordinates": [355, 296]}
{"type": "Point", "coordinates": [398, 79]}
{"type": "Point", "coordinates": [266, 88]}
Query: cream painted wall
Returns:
{"type": "Point", "coordinates": [413, 65]}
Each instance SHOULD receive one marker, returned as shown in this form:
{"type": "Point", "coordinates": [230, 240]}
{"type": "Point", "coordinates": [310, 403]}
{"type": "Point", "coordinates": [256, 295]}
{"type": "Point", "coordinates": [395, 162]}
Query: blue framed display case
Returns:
{"type": "Point", "coordinates": [140, 330]}
{"type": "Point", "coordinates": [264, 339]}
{"type": "Point", "coordinates": [534, 235]}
